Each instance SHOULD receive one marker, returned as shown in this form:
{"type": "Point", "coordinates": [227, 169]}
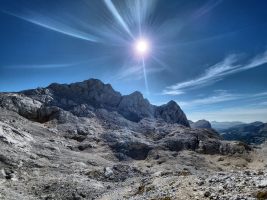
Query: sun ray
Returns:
{"type": "Point", "coordinates": [161, 63]}
{"type": "Point", "coordinates": [145, 77]}
{"type": "Point", "coordinates": [117, 16]}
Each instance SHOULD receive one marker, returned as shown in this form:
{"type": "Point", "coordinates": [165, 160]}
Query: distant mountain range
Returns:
{"type": "Point", "coordinates": [252, 133]}
{"type": "Point", "coordinates": [224, 125]}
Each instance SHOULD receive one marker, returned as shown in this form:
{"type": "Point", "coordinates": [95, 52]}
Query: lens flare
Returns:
{"type": "Point", "coordinates": [142, 47]}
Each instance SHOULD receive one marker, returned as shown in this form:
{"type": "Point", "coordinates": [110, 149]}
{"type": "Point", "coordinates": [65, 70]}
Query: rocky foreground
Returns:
{"type": "Point", "coordinates": [87, 141]}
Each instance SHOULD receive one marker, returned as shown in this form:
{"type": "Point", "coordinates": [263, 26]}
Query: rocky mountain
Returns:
{"type": "Point", "coordinates": [224, 125]}
{"type": "Point", "coordinates": [86, 141]}
{"type": "Point", "coordinates": [200, 124]}
{"type": "Point", "coordinates": [82, 98]}
{"type": "Point", "coordinates": [252, 133]}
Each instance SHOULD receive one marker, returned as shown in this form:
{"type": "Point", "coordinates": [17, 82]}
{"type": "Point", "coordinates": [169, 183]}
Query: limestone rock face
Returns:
{"type": "Point", "coordinates": [134, 107]}
{"type": "Point", "coordinates": [13, 136]}
{"type": "Point", "coordinates": [23, 105]}
{"type": "Point", "coordinates": [171, 113]}
{"type": "Point", "coordinates": [92, 92]}
{"type": "Point", "coordinates": [83, 98]}
{"type": "Point", "coordinates": [200, 124]}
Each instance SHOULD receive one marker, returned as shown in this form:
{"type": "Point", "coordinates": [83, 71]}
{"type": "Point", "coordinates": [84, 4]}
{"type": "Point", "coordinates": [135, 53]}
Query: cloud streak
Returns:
{"type": "Point", "coordinates": [39, 66]}
{"type": "Point", "coordinates": [232, 114]}
{"type": "Point", "coordinates": [55, 65]}
{"type": "Point", "coordinates": [206, 8]}
{"type": "Point", "coordinates": [216, 73]}
{"type": "Point", "coordinates": [54, 25]}
{"type": "Point", "coordinates": [217, 98]}
{"type": "Point", "coordinates": [251, 107]}
{"type": "Point", "coordinates": [135, 72]}
{"type": "Point", "coordinates": [223, 96]}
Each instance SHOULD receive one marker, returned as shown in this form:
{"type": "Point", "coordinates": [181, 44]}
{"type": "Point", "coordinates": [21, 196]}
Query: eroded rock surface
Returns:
{"type": "Point", "coordinates": [86, 141]}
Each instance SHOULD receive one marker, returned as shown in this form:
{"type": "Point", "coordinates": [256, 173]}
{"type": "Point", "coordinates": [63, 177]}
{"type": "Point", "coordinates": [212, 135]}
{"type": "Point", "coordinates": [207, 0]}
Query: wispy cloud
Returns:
{"type": "Point", "coordinates": [136, 72]}
{"type": "Point", "coordinates": [173, 92]}
{"type": "Point", "coordinates": [253, 110]}
{"type": "Point", "coordinates": [262, 103]}
{"type": "Point", "coordinates": [38, 66]}
{"type": "Point", "coordinates": [251, 107]}
{"type": "Point", "coordinates": [207, 7]}
{"type": "Point", "coordinates": [217, 72]}
{"type": "Point", "coordinates": [54, 25]}
{"type": "Point", "coordinates": [244, 114]}
{"type": "Point", "coordinates": [220, 96]}
{"type": "Point", "coordinates": [56, 65]}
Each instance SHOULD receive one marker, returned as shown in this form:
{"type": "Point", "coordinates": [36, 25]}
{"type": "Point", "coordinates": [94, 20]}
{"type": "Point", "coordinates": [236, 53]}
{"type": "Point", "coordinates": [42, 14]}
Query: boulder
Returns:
{"type": "Point", "coordinates": [178, 141]}
{"type": "Point", "coordinates": [127, 144]}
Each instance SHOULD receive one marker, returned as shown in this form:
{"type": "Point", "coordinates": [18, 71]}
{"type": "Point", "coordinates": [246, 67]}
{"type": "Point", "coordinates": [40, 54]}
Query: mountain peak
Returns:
{"type": "Point", "coordinates": [172, 113]}
{"type": "Point", "coordinates": [200, 124]}
{"type": "Point", "coordinates": [172, 103]}
{"type": "Point", "coordinates": [136, 94]}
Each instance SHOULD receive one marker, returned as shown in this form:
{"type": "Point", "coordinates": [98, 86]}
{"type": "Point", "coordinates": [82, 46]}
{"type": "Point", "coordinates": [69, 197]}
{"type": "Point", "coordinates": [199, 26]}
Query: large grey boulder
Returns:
{"type": "Point", "coordinates": [213, 146]}
{"type": "Point", "coordinates": [126, 144]}
{"type": "Point", "coordinates": [179, 142]}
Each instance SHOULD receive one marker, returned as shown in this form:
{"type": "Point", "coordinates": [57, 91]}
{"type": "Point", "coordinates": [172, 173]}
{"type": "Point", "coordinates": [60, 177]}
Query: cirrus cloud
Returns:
{"type": "Point", "coordinates": [230, 65]}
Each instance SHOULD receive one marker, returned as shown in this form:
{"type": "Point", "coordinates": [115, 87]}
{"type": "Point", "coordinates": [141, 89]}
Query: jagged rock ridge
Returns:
{"type": "Point", "coordinates": [82, 97]}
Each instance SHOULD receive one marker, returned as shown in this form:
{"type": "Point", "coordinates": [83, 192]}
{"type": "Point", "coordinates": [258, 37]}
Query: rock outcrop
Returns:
{"type": "Point", "coordinates": [171, 113]}
{"type": "Point", "coordinates": [200, 124]}
{"type": "Point", "coordinates": [134, 107]}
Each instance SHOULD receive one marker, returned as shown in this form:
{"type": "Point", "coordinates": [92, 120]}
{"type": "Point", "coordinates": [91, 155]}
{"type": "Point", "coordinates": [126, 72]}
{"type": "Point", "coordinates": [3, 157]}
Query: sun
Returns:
{"type": "Point", "coordinates": [142, 47]}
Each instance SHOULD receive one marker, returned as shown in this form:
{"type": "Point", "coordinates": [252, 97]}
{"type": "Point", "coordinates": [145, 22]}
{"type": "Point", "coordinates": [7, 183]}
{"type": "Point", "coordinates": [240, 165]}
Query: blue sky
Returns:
{"type": "Point", "coordinates": [208, 56]}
